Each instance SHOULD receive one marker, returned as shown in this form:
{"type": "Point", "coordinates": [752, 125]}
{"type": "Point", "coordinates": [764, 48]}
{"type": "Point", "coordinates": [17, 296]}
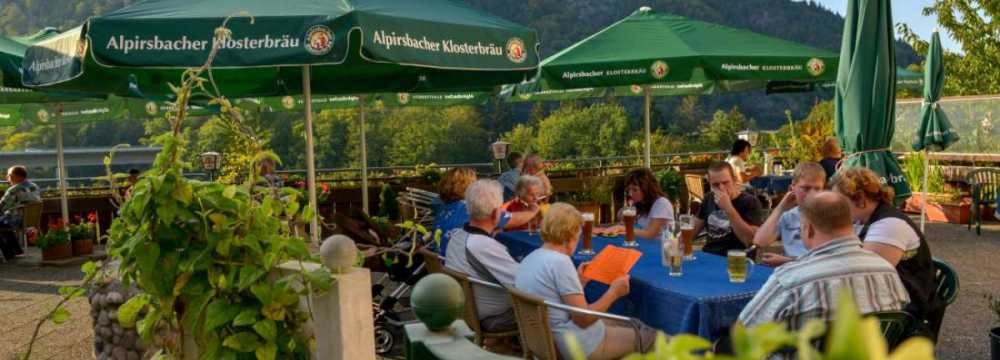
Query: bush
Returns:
{"type": "Point", "coordinates": [671, 183]}
{"type": "Point", "coordinates": [57, 235]}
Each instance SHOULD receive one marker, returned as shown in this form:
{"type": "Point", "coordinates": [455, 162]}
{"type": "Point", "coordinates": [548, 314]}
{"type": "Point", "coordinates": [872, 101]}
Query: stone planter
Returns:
{"type": "Point", "coordinates": [83, 247]}
{"type": "Point", "coordinates": [111, 340]}
{"type": "Point", "coordinates": [57, 252]}
{"type": "Point", "coordinates": [995, 343]}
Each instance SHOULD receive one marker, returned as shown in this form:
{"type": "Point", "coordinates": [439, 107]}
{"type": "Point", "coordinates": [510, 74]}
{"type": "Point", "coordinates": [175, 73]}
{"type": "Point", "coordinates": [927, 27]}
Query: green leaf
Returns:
{"type": "Point", "coordinates": [70, 292]}
{"type": "Point", "coordinates": [249, 275]}
{"type": "Point", "coordinates": [60, 315]}
{"type": "Point", "coordinates": [246, 317]}
{"type": "Point", "coordinates": [266, 329]}
{"type": "Point", "coordinates": [219, 312]}
{"type": "Point", "coordinates": [89, 269]}
{"type": "Point", "coordinates": [243, 341]}
{"type": "Point", "coordinates": [147, 325]}
{"type": "Point", "coordinates": [262, 292]}
{"type": "Point", "coordinates": [686, 344]}
{"type": "Point", "coordinates": [195, 308]}
{"type": "Point", "coordinates": [129, 311]}
{"type": "Point", "coordinates": [267, 351]}
{"type": "Point", "coordinates": [183, 193]}
{"type": "Point", "coordinates": [846, 340]}
{"type": "Point", "coordinates": [320, 279]}
{"type": "Point", "coordinates": [229, 192]}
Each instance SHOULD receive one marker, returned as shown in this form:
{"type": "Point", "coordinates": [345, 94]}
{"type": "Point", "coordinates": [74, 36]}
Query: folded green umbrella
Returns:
{"type": "Point", "coordinates": [865, 97]}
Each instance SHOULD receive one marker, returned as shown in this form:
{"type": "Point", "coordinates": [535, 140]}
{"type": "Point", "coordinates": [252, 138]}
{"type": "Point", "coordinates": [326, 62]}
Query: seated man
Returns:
{"type": "Point", "coordinates": [738, 157]}
{"type": "Point", "coordinates": [20, 192]}
{"type": "Point", "coordinates": [784, 220]}
{"type": "Point", "coordinates": [731, 216]}
{"type": "Point", "coordinates": [529, 188]}
{"type": "Point", "coordinates": [509, 178]}
{"type": "Point", "coordinates": [471, 250]}
{"type": "Point", "coordinates": [807, 288]}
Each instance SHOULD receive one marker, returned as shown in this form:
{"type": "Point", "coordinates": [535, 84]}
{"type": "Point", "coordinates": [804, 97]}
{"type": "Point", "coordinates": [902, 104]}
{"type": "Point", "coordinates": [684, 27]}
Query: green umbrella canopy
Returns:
{"type": "Point", "coordinates": [935, 132]}
{"type": "Point", "coordinates": [322, 102]}
{"type": "Point", "coordinates": [865, 95]}
{"type": "Point", "coordinates": [649, 47]}
{"type": "Point", "coordinates": [354, 46]}
{"type": "Point", "coordinates": [906, 78]}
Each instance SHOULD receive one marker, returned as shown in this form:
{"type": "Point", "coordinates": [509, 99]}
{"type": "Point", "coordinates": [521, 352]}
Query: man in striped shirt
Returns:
{"type": "Point", "coordinates": [807, 288]}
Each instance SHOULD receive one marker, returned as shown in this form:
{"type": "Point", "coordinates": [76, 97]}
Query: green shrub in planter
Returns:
{"type": "Point", "coordinates": [57, 235]}
{"type": "Point", "coordinates": [671, 183]}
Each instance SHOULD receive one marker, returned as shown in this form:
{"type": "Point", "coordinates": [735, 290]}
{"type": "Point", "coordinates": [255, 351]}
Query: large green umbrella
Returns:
{"type": "Point", "coordinates": [935, 133]}
{"type": "Point", "coordinates": [349, 46]}
{"type": "Point", "coordinates": [647, 50]}
{"type": "Point", "coordinates": [865, 96]}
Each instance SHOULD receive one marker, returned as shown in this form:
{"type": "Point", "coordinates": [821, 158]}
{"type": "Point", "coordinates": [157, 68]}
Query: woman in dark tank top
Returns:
{"type": "Point", "coordinates": [890, 233]}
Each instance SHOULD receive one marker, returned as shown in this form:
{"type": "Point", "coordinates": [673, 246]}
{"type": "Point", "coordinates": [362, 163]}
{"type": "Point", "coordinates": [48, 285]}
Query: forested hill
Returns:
{"type": "Point", "coordinates": [563, 22]}
{"type": "Point", "coordinates": [560, 22]}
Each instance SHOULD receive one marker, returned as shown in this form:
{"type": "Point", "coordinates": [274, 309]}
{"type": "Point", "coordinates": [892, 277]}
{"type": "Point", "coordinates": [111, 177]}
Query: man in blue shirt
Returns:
{"type": "Point", "coordinates": [509, 178]}
{"type": "Point", "coordinates": [783, 223]}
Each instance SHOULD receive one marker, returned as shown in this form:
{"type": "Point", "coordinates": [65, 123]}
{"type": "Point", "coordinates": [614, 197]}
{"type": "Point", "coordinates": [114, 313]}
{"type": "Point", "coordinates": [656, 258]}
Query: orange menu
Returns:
{"type": "Point", "coordinates": [611, 263]}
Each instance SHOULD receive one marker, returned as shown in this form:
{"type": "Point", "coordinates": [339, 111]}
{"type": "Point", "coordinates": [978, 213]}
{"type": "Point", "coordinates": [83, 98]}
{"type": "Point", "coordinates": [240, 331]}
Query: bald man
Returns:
{"type": "Point", "coordinates": [807, 287]}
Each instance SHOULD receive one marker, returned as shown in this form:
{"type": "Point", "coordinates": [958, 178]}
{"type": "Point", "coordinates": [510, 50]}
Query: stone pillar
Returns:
{"type": "Point", "coordinates": [342, 316]}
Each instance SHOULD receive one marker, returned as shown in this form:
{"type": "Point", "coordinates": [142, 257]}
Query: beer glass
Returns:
{"type": "Point", "coordinates": [628, 217]}
{"type": "Point", "coordinates": [687, 235]}
{"type": "Point", "coordinates": [738, 265]}
{"type": "Point", "coordinates": [588, 230]}
{"type": "Point", "coordinates": [676, 264]}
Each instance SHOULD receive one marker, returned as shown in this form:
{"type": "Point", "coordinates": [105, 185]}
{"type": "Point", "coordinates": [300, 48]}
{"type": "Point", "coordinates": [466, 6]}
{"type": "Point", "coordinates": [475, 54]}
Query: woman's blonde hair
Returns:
{"type": "Point", "coordinates": [454, 182]}
{"type": "Point", "coordinates": [562, 222]}
{"type": "Point", "coordinates": [858, 183]}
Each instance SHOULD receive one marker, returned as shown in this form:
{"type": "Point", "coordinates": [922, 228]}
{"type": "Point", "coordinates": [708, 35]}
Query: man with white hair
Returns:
{"type": "Point", "coordinates": [473, 251]}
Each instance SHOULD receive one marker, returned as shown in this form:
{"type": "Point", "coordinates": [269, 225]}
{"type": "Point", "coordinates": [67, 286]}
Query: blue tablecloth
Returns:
{"type": "Point", "coordinates": [701, 302]}
{"type": "Point", "coordinates": [773, 184]}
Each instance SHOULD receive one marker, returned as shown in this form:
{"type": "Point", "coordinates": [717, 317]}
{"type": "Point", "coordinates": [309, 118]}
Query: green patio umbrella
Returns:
{"type": "Point", "coordinates": [649, 52]}
{"type": "Point", "coordinates": [935, 133]}
{"type": "Point", "coordinates": [278, 47]}
{"type": "Point", "coordinates": [865, 95]}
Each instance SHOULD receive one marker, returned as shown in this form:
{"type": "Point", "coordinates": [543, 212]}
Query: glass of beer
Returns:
{"type": "Point", "coordinates": [687, 235]}
{"type": "Point", "coordinates": [676, 264]}
{"type": "Point", "coordinates": [738, 265]}
{"type": "Point", "coordinates": [628, 217]}
{"type": "Point", "coordinates": [588, 230]}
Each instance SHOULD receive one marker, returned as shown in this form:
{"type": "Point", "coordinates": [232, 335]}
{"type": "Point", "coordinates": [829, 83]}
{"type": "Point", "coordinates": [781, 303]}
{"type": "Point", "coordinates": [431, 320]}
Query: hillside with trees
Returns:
{"type": "Point", "coordinates": [423, 135]}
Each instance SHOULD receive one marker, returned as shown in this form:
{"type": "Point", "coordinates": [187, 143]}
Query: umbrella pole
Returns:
{"type": "Point", "coordinates": [310, 156]}
{"type": "Point", "coordinates": [61, 164]}
{"type": "Point", "coordinates": [364, 157]}
{"type": "Point", "coordinates": [647, 159]}
{"type": "Point", "coordinates": [923, 205]}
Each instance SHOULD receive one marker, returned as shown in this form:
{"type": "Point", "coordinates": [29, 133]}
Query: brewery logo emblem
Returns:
{"type": "Point", "coordinates": [288, 102]}
{"type": "Point", "coordinates": [659, 69]}
{"type": "Point", "coordinates": [43, 116]}
{"type": "Point", "coordinates": [816, 67]}
{"type": "Point", "coordinates": [403, 98]}
{"type": "Point", "coordinates": [636, 89]}
{"type": "Point", "coordinates": [319, 40]}
{"type": "Point", "coordinates": [516, 51]}
{"type": "Point", "coordinates": [151, 108]}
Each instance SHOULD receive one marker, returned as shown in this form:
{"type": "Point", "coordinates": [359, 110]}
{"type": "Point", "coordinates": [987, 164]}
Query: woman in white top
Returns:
{"type": "Point", "coordinates": [655, 214]}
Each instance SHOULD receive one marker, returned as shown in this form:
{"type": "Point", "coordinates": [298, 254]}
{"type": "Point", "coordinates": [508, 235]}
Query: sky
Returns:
{"type": "Point", "coordinates": [910, 13]}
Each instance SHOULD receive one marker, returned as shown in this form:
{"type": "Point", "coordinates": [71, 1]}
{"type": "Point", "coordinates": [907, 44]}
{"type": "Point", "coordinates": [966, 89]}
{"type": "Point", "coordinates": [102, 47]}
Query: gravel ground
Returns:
{"type": "Point", "coordinates": [28, 292]}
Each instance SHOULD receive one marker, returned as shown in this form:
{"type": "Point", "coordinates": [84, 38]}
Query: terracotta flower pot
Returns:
{"type": "Point", "coordinates": [83, 247]}
{"type": "Point", "coordinates": [57, 252]}
{"type": "Point", "coordinates": [937, 210]}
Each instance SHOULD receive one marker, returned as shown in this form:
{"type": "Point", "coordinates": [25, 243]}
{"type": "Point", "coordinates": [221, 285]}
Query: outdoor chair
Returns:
{"type": "Point", "coordinates": [896, 326]}
{"type": "Point", "coordinates": [31, 217]}
{"type": "Point", "coordinates": [695, 189]}
{"type": "Point", "coordinates": [432, 261]}
{"type": "Point", "coordinates": [471, 313]}
{"type": "Point", "coordinates": [416, 204]}
{"type": "Point", "coordinates": [983, 184]}
{"type": "Point", "coordinates": [947, 281]}
{"type": "Point", "coordinates": [533, 319]}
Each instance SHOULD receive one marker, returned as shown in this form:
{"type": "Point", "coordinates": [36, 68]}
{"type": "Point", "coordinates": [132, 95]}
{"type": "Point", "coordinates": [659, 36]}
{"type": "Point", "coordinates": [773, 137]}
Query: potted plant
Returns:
{"type": "Point", "coordinates": [55, 244]}
{"type": "Point", "coordinates": [82, 235]}
{"type": "Point", "coordinates": [941, 203]}
{"type": "Point", "coordinates": [595, 194]}
{"type": "Point", "coordinates": [995, 331]}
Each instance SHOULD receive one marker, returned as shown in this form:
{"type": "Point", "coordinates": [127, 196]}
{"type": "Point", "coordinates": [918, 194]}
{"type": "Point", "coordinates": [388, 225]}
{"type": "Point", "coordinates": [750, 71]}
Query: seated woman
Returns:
{"type": "Point", "coordinates": [887, 231]}
{"type": "Point", "coordinates": [655, 214]}
{"type": "Point", "coordinates": [534, 165]}
{"type": "Point", "coordinates": [529, 189]}
{"type": "Point", "coordinates": [548, 272]}
{"type": "Point", "coordinates": [451, 214]}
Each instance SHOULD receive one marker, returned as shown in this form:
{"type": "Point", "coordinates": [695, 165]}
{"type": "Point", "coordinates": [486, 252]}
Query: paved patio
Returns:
{"type": "Point", "coordinates": [27, 291]}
